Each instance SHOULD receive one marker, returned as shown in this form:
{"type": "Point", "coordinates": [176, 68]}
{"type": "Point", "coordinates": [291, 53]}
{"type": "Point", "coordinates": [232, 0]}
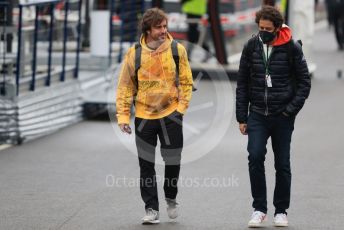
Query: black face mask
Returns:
{"type": "Point", "coordinates": [267, 36]}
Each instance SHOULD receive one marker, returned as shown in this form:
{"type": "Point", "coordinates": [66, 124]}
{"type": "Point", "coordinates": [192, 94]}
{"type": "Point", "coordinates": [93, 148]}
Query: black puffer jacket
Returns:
{"type": "Point", "coordinates": [288, 94]}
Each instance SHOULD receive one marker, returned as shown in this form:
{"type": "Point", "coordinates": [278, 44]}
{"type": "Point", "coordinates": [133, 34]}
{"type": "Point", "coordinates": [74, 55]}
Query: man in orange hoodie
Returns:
{"type": "Point", "coordinates": [273, 84]}
{"type": "Point", "coordinates": [161, 99]}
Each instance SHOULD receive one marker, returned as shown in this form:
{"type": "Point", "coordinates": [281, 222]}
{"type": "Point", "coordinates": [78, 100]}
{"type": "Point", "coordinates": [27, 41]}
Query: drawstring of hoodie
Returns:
{"type": "Point", "coordinates": [162, 67]}
{"type": "Point", "coordinates": [150, 60]}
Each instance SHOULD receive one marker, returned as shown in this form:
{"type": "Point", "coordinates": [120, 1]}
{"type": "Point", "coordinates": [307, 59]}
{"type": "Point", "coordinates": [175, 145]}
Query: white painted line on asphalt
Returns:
{"type": "Point", "coordinates": [320, 25]}
{"type": "Point", "coordinates": [235, 58]}
{"type": "Point", "coordinates": [4, 146]}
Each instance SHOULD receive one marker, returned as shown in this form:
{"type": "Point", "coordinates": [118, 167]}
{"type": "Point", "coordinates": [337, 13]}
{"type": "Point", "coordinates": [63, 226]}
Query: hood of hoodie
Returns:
{"type": "Point", "coordinates": [163, 47]}
{"type": "Point", "coordinates": [283, 36]}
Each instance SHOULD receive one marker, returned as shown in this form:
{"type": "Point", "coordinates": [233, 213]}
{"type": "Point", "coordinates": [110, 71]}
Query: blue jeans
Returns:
{"type": "Point", "coordinates": [280, 129]}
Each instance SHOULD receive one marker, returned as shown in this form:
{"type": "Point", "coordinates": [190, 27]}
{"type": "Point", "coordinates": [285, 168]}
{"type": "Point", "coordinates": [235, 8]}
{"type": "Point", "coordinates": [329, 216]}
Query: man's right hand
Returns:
{"type": "Point", "coordinates": [243, 128]}
{"type": "Point", "coordinates": [125, 128]}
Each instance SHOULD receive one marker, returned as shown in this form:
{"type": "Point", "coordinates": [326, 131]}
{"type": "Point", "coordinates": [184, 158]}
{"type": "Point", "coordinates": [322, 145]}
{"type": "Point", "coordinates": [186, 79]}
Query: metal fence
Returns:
{"type": "Point", "coordinates": [41, 26]}
{"type": "Point", "coordinates": [4, 11]}
{"type": "Point", "coordinates": [129, 12]}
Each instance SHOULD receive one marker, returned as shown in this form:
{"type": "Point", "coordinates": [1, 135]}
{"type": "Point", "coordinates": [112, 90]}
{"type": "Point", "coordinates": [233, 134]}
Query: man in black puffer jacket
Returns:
{"type": "Point", "coordinates": [338, 17]}
{"type": "Point", "coordinates": [273, 84]}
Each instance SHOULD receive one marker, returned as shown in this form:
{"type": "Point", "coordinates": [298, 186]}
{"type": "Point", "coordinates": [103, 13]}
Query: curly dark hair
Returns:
{"type": "Point", "coordinates": [152, 17]}
{"type": "Point", "coordinates": [270, 13]}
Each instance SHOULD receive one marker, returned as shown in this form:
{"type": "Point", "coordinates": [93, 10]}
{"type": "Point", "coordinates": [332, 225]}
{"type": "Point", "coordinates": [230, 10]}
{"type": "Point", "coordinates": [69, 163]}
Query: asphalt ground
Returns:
{"type": "Point", "coordinates": [83, 177]}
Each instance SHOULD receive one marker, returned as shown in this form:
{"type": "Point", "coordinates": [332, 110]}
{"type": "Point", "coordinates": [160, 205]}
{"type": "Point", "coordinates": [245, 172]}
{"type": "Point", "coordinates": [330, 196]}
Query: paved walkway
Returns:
{"type": "Point", "coordinates": [59, 181]}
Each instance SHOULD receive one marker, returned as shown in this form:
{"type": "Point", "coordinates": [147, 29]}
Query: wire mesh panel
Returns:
{"type": "Point", "coordinates": [7, 111]}
{"type": "Point", "coordinates": [6, 63]}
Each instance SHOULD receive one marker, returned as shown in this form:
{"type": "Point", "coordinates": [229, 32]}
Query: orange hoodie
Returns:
{"type": "Point", "coordinates": [283, 36]}
{"type": "Point", "coordinates": [157, 95]}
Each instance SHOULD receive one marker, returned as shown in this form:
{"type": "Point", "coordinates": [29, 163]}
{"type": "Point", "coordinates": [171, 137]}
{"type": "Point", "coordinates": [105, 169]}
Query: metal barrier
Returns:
{"type": "Point", "coordinates": [3, 20]}
{"type": "Point", "coordinates": [39, 6]}
{"type": "Point", "coordinates": [129, 13]}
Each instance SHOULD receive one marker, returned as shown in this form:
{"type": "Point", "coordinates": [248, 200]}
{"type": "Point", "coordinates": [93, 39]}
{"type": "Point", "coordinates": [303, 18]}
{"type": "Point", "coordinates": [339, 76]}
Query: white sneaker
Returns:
{"type": "Point", "coordinates": [151, 217]}
{"type": "Point", "coordinates": [281, 220]}
{"type": "Point", "coordinates": [172, 208]}
{"type": "Point", "coordinates": [258, 220]}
